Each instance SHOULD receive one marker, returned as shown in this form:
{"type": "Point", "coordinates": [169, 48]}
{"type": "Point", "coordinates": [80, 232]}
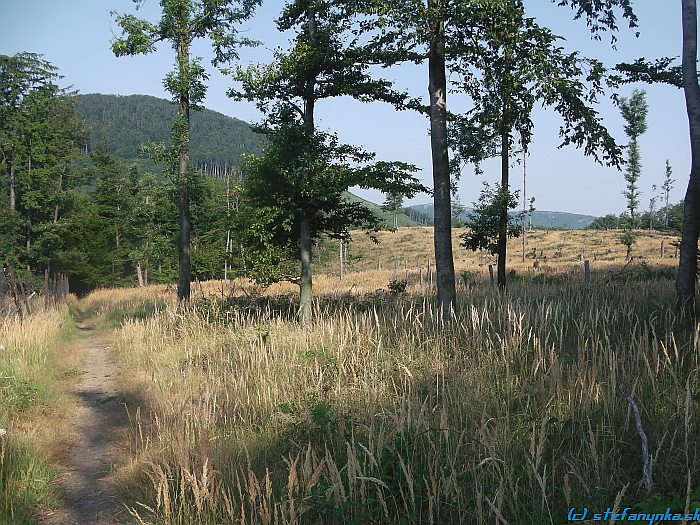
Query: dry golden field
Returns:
{"type": "Point", "coordinates": [379, 413]}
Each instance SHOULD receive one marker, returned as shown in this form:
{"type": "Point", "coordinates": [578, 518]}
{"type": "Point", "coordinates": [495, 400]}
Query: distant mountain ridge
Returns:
{"type": "Point", "coordinates": [540, 219]}
{"type": "Point", "coordinates": [126, 122]}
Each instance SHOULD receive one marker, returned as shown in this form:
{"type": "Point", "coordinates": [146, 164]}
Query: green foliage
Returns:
{"type": "Point", "coordinates": [507, 63]}
{"type": "Point", "coordinates": [666, 188]}
{"type": "Point", "coordinates": [297, 175]}
{"type": "Point", "coordinates": [607, 222]}
{"type": "Point", "coordinates": [634, 110]}
{"type": "Point", "coordinates": [394, 205]}
{"type": "Point", "coordinates": [668, 218]}
{"type": "Point", "coordinates": [39, 137]}
{"type": "Point", "coordinates": [628, 239]}
{"type": "Point", "coordinates": [485, 222]}
{"type": "Point", "coordinates": [661, 71]}
{"type": "Point", "coordinates": [397, 287]}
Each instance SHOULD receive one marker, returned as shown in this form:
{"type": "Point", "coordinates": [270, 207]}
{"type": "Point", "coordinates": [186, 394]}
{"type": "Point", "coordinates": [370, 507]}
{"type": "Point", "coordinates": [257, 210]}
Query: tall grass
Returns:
{"type": "Point", "coordinates": [31, 366]}
{"type": "Point", "coordinates": [382, 414]}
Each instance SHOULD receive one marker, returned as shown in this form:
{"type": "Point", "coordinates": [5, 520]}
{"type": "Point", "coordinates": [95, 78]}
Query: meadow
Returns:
{"type": "Point", "coordinates": [381, 413]}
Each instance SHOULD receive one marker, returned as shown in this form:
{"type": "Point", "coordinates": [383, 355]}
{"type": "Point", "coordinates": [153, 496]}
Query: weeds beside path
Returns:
{"type": "Point", "coordinates": [90, 496]}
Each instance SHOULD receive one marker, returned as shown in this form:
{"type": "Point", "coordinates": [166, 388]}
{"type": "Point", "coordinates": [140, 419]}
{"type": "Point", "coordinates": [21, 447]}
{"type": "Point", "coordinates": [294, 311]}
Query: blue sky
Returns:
{"type": "Point", "coordinates": [75, 36]}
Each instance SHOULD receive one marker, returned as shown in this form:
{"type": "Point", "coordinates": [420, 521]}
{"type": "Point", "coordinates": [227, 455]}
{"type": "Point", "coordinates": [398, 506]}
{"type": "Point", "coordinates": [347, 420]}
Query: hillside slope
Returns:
{"type": "Point", "coordinates": [127, 122]}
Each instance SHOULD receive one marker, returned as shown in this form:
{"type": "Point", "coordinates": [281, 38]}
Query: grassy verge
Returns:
{"type": "Point", "coordinates": [34, 361]}
{"type": "Point", "coordinates": [380, 414]}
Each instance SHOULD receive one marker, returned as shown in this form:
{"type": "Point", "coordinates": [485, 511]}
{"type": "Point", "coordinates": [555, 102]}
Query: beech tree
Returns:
{"type": "Point", "coordinates": [324, 61]}
{"type": "Point", "coordinates": [182, 22]}
{"type": "Point", "coordinates": [688, 257]}
{"type": "Point", "coordinates": [394, 205]}
{"type": "Point", "coordinates": [507, 64]}
{"type": "Point", "coordinates": [416, 30]}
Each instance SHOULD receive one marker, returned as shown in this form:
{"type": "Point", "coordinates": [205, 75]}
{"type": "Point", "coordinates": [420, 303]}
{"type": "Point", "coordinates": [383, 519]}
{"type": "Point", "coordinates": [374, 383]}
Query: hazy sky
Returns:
{"type": "Point", "coordinates": [75, 36]}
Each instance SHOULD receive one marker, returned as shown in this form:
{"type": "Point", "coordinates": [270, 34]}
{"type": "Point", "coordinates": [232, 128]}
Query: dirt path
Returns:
{"type": "Point", "coordinates": [89, 495]}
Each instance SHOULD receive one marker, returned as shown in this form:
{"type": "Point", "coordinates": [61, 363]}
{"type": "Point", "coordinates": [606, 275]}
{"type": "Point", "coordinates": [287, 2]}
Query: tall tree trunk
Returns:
{"type": "Point", "coordinates": [305, 253]}
{"type": "Point", "coordinates": [522, 222]}
{"type": "Point", "coordinates": [13, 291]}
{"type": "Point", "coordinates": [183, 284]}
{"type": "Point", "coordinates": [340, 244]}
{"type": "Point", "coordinates": [437, 88]}
{"type": "Point", "coordinates": [503, 222]}
{"type": "Point", "coordinates": [47, 299]}
{"type": "Point", "coordinates": [13, 197]}
{"type": "Point", "coordinates": [688, 260]}
{"type": "Point", "coordinates": [305, 284]}
{"type": "Point", "coordinates": [60, 187]}
{"type": "Point", "coordinates": [139, 275]}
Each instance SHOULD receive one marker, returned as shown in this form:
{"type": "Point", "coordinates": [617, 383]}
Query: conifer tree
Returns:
{"type": "Point", "coordinates": [634, 110]}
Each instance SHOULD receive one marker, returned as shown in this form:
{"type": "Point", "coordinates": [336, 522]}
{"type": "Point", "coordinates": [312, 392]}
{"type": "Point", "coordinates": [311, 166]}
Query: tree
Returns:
{"type": "Point", "coordinates": [508, 63]}
{"type": "Point", "coordinates": [458, 209]}
{"type": "Point", "coordinates": [530, 210]}
{"type": "Point", "coordinates": [634, 110]}
{"type": "Point", "coordinates": [628, 238]}
{"type": "Point", "coordinates": [414, 30]}
{"type": "Point", "coordinates": [442, 216]}
{"type": "Point", "coordinates": [606, 222]}
{"type": "Point", "coordinates": [688, 260]}
{"type": "Point", "coordinates": [20, 75]}
{"type": "Point", "coordinates": [324, 62]}
{"type": "Point", "coordinates": [394, 205]}
{"type": "Point", "coordinates": [40, 135]}
{"type": "Point", "coordinates": [664, 71]}
{"type": "Point", "coordinates": [666, 187]}
{"type": "Point", "coordinates": [485, 222]}
{"type": "Point", "coordinates": [182, 22]}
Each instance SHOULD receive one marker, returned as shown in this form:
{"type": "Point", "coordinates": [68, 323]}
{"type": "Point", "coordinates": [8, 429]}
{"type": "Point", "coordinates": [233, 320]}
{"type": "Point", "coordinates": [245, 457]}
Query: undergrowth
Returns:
{"type": "Point", "coordinates": [30, 369]}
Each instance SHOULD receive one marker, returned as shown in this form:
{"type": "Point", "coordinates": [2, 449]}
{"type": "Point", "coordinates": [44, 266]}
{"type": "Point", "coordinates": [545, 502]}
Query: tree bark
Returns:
{"type": "Point", "coordinates": [522, 222]}
{"type": "Point", "coordinates": [688, 261]}
{"type": "Point", "coordinates": [437, 88]}
{"type": "Point", "coordinates": [13, 291]}
{"type": "Point", "coordinates": [183, 285]}
{"type": "Point", "coordinates": [13, 196]}
{"type": "Point", "coordinates": [305, 253]}
{"type": "Point", "coordinates": [503, 219]}
{"type": "Point", "coordinates": [139, 275]}
{"type": "Point", "coordinates": [305, 283]}
{"type": "Point", "coordinates": [58, 196]}
{"type": "Point", "coordinates": [47, 299]}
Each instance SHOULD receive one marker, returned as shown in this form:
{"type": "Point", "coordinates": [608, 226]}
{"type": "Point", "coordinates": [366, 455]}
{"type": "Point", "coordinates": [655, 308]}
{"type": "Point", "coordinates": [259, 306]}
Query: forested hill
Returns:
{"type": "Point", "coordinates": [127, 122]}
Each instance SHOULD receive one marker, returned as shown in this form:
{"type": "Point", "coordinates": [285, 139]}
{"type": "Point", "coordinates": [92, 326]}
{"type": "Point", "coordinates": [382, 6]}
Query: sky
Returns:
{"type": "Point", "coordinates": [75, 36]}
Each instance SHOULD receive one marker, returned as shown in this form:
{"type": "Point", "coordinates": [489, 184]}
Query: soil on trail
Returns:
{"type": "Point", "coordinates": [89, 496]}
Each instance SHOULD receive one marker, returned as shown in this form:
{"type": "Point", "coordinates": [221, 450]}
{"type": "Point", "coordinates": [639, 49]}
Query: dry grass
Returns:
{"type": "Point", "coordinates": [548, 247]}
{"type": "Point", "coordinates": [34, 362]}
{"type": "Point", "coordinates": [381, 414]}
